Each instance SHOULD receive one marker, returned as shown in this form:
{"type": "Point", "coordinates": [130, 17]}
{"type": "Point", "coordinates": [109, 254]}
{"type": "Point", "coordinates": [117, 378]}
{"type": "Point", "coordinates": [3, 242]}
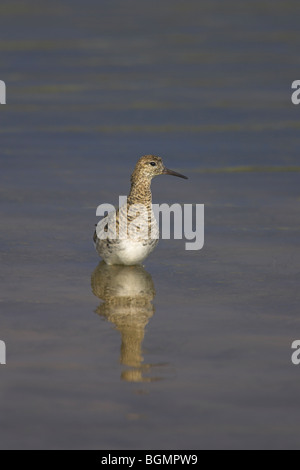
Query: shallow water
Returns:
{"type": "Point", "coordinates": [193, 350]}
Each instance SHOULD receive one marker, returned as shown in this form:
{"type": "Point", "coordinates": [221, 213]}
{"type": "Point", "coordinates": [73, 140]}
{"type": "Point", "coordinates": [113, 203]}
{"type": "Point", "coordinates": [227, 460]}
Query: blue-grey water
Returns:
{"type": "Point", "coordinates": [193, 350]}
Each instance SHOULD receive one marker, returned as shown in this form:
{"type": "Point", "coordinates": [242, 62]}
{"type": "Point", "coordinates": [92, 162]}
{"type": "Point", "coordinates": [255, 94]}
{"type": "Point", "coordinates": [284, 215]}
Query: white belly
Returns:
{"type": "Point", "coordinates": [123, 248]}
{"type": "Point", "coordinates": [129, 252]}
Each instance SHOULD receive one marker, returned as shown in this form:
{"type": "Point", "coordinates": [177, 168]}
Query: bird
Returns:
{"type": "Point", "coordinates": [129, 234]}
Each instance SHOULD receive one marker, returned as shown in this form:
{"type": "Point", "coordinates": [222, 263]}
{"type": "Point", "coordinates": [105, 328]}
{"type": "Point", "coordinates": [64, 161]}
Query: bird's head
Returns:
{"type": "Point", "coordinates": [149, 166]}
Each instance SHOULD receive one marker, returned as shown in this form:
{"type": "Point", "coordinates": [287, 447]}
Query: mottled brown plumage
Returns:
{"type": "Point", "coordinates": [119, 246]}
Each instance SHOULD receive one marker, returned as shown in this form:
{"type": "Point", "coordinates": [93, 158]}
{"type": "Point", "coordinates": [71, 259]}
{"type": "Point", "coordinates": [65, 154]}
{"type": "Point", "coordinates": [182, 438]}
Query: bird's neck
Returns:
{"type": "Point", "coordinates": [140, 192]}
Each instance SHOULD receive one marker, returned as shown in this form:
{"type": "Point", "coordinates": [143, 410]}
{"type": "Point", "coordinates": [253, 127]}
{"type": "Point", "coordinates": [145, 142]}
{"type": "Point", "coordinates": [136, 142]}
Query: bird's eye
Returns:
{"type": "Point", "coordinates": [152, 163]}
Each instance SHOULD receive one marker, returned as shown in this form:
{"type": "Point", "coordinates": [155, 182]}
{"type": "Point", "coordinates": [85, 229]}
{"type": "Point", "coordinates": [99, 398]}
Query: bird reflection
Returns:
{"type": "Point", "coordinates": [127, 293]}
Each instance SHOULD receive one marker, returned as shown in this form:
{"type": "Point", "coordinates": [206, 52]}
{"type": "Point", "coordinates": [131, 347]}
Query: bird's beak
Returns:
{"type": "Point", "coordinates": [166, 171]}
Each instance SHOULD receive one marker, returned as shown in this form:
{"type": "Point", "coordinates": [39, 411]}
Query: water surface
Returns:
{"type": "Point", "coordinates": [193, 350]}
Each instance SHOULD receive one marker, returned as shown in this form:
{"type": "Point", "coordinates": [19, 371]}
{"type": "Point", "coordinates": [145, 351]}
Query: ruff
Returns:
{"type": "Point", "coordinates": [128, 235]}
